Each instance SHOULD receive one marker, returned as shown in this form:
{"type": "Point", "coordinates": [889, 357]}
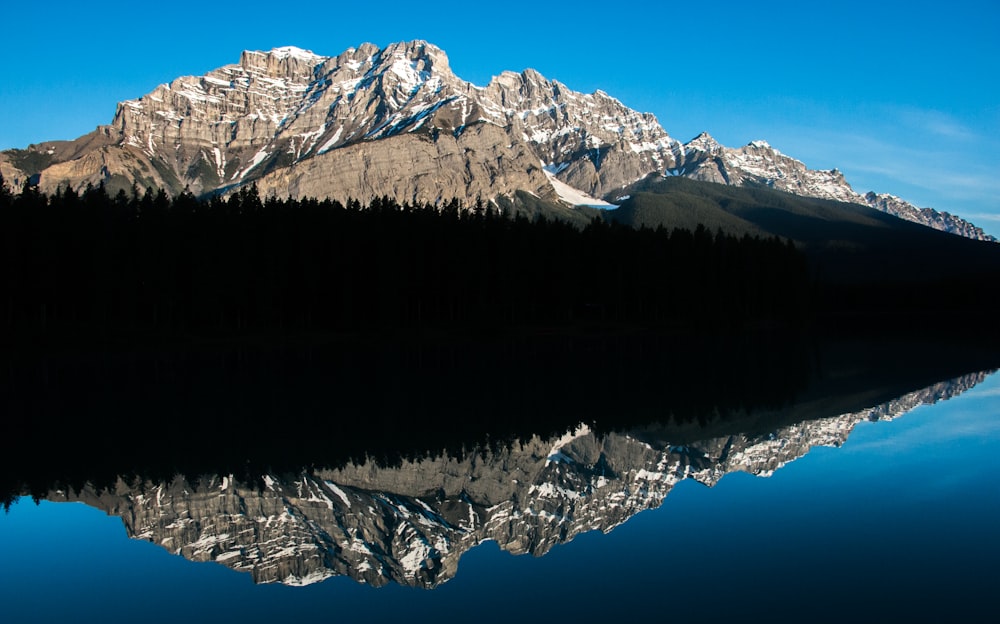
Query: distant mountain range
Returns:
{"type": "Point", "coordinates": [397, 122]}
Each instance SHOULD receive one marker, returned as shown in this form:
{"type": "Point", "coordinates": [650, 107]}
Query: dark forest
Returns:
{"type": "Point", "coordinates": [143, 269]}
{"type": "Point", "coordinates": [91, 264]}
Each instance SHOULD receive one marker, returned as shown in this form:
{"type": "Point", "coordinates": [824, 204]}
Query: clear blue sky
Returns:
{"type": "Point", "coordinates": [903, 97]}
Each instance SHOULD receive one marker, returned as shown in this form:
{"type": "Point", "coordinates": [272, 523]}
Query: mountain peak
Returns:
{"type": "Point", "coordinates": [419, 52]}
{"type": "Point", "coordinates": [281, 62]}
{"type": "Point", "coordinates": [295, 52]}
{"type": "Point", "coordinates": [928, 216]}
{"type": "Point", "coordinates": [533, 75]}
{"type": "Point", "coordinates": [703, 142]}
{"type": "Point", "coordinates": [526, 81]}
{"type": "Point", "coordinates": [414, 48]}
{"type": "Point", "coordinates": [507, 78]}
{"type": "Point", "coordinates": [297, 122]}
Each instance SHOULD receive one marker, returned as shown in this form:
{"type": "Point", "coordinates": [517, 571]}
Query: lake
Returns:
{"type": "Point", "coordinates": [817, 482]}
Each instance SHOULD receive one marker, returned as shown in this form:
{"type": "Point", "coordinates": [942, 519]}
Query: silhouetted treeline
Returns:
{"type": "Point", "coordinates": [92, 416]}
{"type": "Point", "coordinates": [146, 261]}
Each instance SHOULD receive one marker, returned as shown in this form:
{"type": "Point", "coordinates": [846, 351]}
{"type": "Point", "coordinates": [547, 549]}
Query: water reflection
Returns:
{"type": "Point", "coordinates": [409, 522]}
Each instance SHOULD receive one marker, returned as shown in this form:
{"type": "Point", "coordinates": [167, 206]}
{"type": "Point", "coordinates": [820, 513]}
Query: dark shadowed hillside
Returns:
{"type": "Point", "coordinates": [847, 243]}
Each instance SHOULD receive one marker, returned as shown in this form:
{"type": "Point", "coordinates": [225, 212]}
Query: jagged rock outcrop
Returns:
{"type": "Point", "coordinates": [943, 221]}
{"type": "Point", "coordinates": [410, 524]}
{"type": "Point", "coordinates": [369, 122]}
{"type": "Point", "coordinates": [397, 121]}
{"type": "Point", "coordinates": [591, 142]}
{"type": "Point", "coordinates": [759, 164]}
{"type": "Point", "coordinates": [474, 164]}
{"type": "Point", "coordinates": [13, 177]}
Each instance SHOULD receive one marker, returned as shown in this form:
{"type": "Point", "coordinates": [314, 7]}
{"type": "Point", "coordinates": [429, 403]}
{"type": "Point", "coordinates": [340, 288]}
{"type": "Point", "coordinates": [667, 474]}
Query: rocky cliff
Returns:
{"type": "Point", "coordinates": [397, 121]}
{"type": "Point", "coordinates": [410, 524]}
{"type": "Point", "coordinates": [943, 221]}
{"type": "Point", "coordinates": [759, 164]}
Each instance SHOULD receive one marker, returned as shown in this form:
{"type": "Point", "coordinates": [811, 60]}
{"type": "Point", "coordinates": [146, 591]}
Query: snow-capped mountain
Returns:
{"type": "Point", "coordinates": [759, 164]}
{"type": "Point", "coordinates": [410, 524]}
{"type": "Point", "coordinates": [397, 121]}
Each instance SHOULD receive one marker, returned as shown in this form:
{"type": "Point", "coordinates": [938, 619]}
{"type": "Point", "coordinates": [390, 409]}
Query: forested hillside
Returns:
{"type": "Point", "coordinates": [145, 261]}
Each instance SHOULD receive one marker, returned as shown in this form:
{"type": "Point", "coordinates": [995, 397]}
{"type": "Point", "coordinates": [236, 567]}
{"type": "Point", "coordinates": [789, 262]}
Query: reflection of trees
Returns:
{"type": "Point", "coordinates": [246, 411]}
{"type": "Point", "coordinates": [146, 268]}
{"type": "Point", "coordinates": [410, 523]}
{"type": "Point", "coordinates": [269, 408]}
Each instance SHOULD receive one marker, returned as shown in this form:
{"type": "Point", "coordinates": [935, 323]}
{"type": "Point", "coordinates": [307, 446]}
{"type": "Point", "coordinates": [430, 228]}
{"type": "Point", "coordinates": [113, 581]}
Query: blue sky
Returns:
{"type": "Point", "coordinates": [904, 98]}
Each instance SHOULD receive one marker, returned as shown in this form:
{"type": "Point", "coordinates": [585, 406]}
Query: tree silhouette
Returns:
{"type": "Point", "coordinates": [86, 263]}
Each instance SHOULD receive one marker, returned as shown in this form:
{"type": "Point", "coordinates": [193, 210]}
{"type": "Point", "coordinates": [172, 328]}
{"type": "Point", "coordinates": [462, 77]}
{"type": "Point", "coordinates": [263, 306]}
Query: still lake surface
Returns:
{"type": "Point", "coordinates": [885, 511]}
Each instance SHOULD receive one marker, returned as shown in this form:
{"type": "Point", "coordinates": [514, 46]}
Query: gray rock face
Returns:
{"type": "Point", "coordinates": [591, 142]}
{"type": "Point", "coordinates": [369, 122]}
{"type": "Point", "coordinates": [13, 177]}
{"type": "Point", "coordinates": [759, 164]}
{"type": "Point", "coordinates": [411, 524]}
{"type": "Point", "coordinates": [475, 163]}
{"type": "Point", "coordinates": [398, 122]}
{"type": "Point", "coordinates": [943, 221]}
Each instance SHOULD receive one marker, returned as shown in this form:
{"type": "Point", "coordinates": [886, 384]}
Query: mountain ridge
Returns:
{"type": "Point", "coordinates": [411, 524]}
{"type": "Point", "coordinates": [397, 121]}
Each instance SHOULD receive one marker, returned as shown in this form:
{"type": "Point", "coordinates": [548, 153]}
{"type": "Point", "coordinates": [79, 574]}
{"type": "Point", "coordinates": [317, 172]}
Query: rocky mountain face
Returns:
{"type": "Point", "coordinates": [759, 164]}
{"type": "Point", "coordinates": [398, 122]}
{"type": "Point", "coordinates": [943, 221]}
{"type": "Point", "coordinates": [410, 524]}
{"type": "Point", "coordinates": [368, 122]}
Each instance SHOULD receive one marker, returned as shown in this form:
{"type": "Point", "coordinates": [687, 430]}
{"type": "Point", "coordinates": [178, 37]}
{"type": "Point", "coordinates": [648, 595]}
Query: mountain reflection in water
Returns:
{"type": "Point", "coordinates": [410, 522]}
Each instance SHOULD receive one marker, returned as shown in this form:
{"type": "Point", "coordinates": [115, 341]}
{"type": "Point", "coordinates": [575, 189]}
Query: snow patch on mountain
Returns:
{"type": "Point", "coordinates": [293, 102]}
{"type": "Point", "coordinates": [298, 53]}
{"type": "Point", "coordinates": [572, 196]}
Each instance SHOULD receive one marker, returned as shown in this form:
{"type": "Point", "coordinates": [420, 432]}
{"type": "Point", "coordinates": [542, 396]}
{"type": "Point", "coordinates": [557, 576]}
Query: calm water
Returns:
{"type": "Point", "coordinates": [897, 523]}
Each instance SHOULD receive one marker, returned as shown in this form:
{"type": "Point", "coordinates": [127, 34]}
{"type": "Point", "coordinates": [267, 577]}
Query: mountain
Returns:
{"type": "Point", "coordinates": [757, 164]}
{"type": "Point", "coordinates": [398, 122]}
{"type": "Point", "coordinates": [369, 122]}
{"type": "Point", "coordinates": [847, 243]}
{"type": "Point", "coordinates": [410, 524]}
